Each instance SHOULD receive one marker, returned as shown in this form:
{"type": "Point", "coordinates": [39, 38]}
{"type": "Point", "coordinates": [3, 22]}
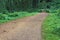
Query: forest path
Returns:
{"type": "Point", "coordinates": [28, 28]}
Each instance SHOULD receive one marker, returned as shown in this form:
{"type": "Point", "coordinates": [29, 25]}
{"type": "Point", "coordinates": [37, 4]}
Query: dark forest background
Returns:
{"type": "Point", "coordinates": [18, 5]}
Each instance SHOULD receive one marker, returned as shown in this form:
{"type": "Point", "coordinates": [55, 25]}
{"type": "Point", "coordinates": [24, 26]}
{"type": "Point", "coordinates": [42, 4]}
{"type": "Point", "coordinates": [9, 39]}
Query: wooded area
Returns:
{"type": "Point", "coordinates": [11, 10]}
{"type": "Point", "coordinates": [17, 5]}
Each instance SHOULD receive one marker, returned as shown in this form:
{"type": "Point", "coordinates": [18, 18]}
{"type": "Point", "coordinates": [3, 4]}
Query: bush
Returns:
{"type": "Point", "coordinates": [3, 16]}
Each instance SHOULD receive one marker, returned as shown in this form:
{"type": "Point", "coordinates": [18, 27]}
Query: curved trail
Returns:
{"type": "Point", "coordinates": [28, 28]}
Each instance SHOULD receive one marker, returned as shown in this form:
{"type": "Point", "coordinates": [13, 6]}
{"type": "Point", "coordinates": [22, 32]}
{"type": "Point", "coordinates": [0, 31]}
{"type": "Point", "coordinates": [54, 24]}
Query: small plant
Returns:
{"type": "Point", "coordinates": [2, 17]}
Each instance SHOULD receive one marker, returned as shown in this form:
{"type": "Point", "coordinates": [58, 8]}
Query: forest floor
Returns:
{"type": "Point", "coordinates": [28, 28]}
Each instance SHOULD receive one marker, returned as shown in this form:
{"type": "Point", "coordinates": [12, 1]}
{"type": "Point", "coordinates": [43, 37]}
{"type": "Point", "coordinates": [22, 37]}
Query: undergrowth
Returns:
{"type": "Point", "coordinates": [12, 16]}
{"type": "Point", "coordinates": [51, 26]}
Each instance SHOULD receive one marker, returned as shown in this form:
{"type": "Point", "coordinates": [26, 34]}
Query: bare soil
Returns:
{"type": "Point", "coordinates": [28, 28]}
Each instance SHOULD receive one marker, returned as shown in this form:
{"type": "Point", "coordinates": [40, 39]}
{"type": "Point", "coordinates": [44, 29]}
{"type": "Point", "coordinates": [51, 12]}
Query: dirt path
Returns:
{"type": "Point", "coordinates": [28, 28]}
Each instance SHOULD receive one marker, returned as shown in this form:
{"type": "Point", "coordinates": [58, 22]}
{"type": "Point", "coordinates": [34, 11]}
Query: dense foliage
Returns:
{"type": "Point", "coordinates": [51, 26]}
{"type": "Point", "coordinates": [9, 7]}
{"type": "Point", "coordinates": [17, 5]}
{"type": "Point", "coordinates": [13, 16]}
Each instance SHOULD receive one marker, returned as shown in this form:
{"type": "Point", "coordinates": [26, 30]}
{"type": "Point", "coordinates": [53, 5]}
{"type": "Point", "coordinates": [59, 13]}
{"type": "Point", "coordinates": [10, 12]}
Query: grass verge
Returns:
{"type": "Point", "coordinates": [12, 16]}
{"type": "Point", "coordinates": [51, 27]}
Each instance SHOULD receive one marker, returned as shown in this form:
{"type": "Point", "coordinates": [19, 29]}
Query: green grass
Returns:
{"type": "Point", "coordinates": [16, 15]}
{"type": "Point", "coordinates": [51, 27]}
